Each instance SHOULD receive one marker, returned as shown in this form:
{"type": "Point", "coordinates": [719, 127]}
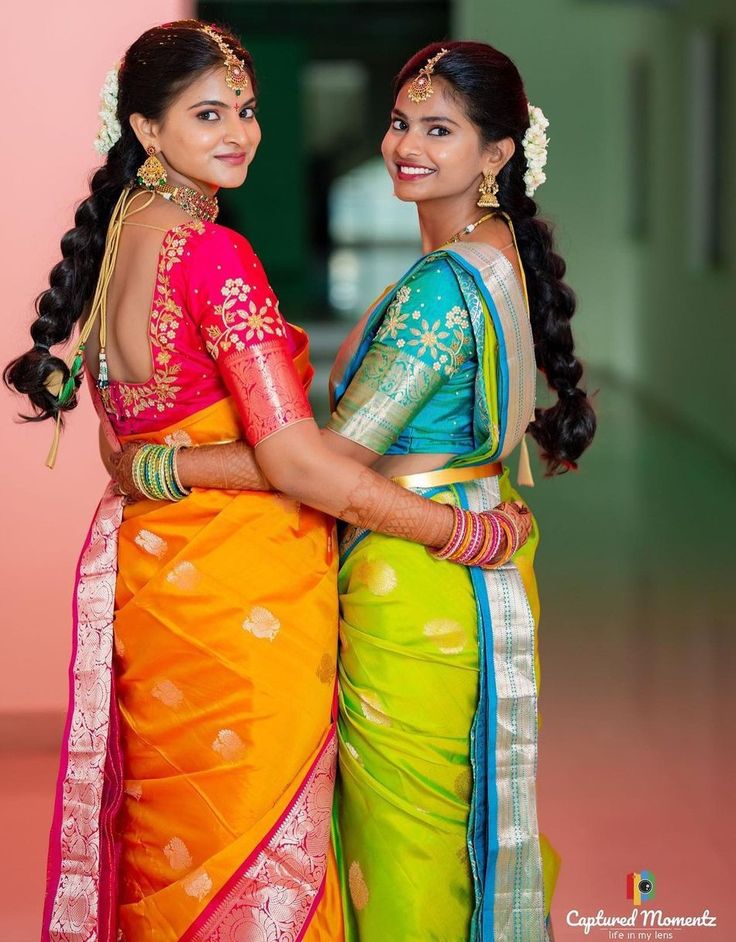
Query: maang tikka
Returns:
{"type": "Point", "coordinates": [236, 75]}
{"type": "Point", "coordinates": [421, 88]}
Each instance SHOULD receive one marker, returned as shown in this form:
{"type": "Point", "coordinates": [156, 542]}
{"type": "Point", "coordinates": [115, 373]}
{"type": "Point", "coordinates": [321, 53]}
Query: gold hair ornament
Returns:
{"type": "Point", "coordinates": [421, 88]}
{"type": "Point", "coordinates": [236, 76]}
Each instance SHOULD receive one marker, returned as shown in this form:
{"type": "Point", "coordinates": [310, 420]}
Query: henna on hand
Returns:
{"type": "Point", "coordinates": [227, 467]}
{"type": "Point", "coordinates": [120, 465]}
{"type": "Point", "coordinates": [377, 504]}
{"type": "Point", "coordinates": [522, 517]}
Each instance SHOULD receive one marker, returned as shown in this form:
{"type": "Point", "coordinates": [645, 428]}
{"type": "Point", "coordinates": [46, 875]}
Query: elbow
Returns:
{"type": "Point", "coordinates": [281, 479]}
{"type": "Point", "coordinates": [295, 477]}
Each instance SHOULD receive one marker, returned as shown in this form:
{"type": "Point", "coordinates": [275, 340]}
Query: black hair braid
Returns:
{"type": "Point", "coordinates": [72, 281]}
{"type": "Point", "coordinates": [565, 429]}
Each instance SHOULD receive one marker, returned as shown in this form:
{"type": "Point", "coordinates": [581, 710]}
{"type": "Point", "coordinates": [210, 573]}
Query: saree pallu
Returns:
{"type": "Point", "coordinates": [439, 681]}
{"type": "Point", "coordinates": [198, 777]}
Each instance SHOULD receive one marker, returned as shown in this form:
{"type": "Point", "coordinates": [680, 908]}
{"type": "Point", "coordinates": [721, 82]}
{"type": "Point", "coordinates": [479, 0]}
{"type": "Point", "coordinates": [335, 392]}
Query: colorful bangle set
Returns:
{"type": "Point", "coordinates": [477, 539]}
{"type": "Point", "coordinates": [155, 473]}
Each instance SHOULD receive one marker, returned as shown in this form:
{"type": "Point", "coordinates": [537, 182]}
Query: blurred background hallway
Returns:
{"type": "Point", "coordinates": [637, 553]}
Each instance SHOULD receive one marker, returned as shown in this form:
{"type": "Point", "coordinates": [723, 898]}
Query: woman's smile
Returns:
{"type": "Point", "coordinates": [412, 172]}
{"type": "Point", "coordinates": [234, 160]}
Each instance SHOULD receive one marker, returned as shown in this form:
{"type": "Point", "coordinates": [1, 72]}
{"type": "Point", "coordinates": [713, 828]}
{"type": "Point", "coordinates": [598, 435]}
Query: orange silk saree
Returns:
{"type": "Point", "coordinates": [197, 775]}
{"type": "Point", "coordinates": [200, 756]}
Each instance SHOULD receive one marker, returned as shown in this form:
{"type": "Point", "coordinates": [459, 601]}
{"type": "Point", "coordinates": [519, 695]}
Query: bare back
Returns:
{"type": "Point", "coordinates": [131, 291]}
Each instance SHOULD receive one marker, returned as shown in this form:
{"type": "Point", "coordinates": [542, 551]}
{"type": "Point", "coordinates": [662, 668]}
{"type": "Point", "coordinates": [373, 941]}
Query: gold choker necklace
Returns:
{"type": "Point", "coordinates": [190, 200]}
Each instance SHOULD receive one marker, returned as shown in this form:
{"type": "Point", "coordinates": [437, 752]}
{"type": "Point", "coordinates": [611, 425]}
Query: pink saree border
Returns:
{"type": "Point", "coordinates": [276, 890]}
{"type": "Point", "coordinates": [81, 871]}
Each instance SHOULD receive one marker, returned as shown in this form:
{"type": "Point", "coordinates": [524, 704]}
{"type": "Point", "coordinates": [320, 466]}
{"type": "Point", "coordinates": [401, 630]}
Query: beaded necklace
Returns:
{"type": "Point", "coordinates": [191, 200]}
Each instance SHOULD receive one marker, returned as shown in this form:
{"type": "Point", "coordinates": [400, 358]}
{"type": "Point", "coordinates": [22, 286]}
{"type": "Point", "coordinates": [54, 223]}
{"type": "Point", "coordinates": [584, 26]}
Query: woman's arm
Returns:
{"type": "Point", "coordinates": [332, 483]}
{"type": "Point", "coordinates": [299, 464]}
{"type": "Point", "coordinates": [244, 333]}
{"type": "Point", "coordinates": [231, 467]}
{"type": "Point", "coordinates": [416, 349]}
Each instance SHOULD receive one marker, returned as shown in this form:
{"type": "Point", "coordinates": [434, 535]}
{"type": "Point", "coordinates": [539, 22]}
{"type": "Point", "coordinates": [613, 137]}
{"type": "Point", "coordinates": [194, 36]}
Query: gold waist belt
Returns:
{"type": "Point", "coordinates": [449, 475]}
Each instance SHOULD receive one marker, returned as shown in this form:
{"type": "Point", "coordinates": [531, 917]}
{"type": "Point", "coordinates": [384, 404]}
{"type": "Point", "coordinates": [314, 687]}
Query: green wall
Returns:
{"type": "Point", "coordinates": [647, 315]}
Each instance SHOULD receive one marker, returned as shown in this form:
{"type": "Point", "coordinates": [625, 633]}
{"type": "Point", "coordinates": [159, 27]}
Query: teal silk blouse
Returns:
{"type": "Point", "coordinates": [414, 391]}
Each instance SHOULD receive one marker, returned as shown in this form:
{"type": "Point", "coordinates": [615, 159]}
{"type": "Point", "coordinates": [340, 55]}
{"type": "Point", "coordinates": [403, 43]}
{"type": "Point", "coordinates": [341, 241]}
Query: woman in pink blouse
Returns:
{"type": "Point", "coordinates": [198, 764]}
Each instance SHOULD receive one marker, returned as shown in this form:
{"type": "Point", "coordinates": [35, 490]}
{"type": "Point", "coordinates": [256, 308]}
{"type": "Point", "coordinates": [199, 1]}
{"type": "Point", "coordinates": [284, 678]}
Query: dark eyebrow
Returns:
{"type": "Point", "coordinates": [432, 119]}
{"type": "Point", "coordinates": [221, 104]}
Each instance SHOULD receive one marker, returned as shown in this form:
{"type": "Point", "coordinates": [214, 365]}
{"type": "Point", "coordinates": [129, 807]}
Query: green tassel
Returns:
{"type": "Point", "coordinates": [69, 387]}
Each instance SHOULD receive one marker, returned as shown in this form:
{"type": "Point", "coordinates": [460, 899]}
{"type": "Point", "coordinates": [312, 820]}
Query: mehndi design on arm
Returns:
{"type": "Point", "coordinates": [379, 505]}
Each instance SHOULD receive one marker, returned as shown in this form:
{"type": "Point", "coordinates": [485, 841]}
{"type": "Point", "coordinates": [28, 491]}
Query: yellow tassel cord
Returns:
{"type": "Point", "coordinates": [524, 475]}
{"type": "Point", "coordinates": [518, 255]}
{"type": "Point", "coordinates": [54, 383]}
{"type": "Point", "coordinates": [524, 472]}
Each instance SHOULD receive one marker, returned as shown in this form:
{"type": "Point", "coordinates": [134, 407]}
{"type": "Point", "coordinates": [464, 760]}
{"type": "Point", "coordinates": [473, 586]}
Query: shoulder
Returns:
{"type": "Point", "coordinates": [427, 316]}
{"type": "Point", "coordinates": [216, 252]}
{"type": "Point", "coordinates": [433, 280]}
{"type": "Point", "coordinates": [435, 268]}
{"type": "Point", "coordinates": [208, 238]}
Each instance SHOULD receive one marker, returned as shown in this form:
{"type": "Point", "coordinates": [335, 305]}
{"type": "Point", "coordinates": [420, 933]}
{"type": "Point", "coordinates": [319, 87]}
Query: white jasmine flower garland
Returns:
{"type": "Point", "coordinates": [535, 143]}
{"type": "Point", "coordinates": [109, 132]}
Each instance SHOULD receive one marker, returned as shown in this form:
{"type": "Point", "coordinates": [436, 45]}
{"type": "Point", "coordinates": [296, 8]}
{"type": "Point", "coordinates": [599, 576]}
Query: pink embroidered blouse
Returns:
{"type": "Point", "coordinates": [215, 330]}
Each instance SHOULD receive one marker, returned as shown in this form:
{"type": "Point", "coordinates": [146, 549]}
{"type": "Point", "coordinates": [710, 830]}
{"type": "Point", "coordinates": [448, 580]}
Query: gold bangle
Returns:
{"type": "Point", "coordinates": [177, 480]}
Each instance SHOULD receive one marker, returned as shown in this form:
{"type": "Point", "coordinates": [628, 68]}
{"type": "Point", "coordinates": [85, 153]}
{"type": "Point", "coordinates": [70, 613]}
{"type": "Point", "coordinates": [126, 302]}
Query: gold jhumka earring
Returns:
{"type": "Point", "coordinates": [151, 172]}
{"type": "Point", "coordinates": [421, 88]}
{"type": "Point", "coordinates": [152, 176]}
{"type": "Point", "coordinates": [488, 190]}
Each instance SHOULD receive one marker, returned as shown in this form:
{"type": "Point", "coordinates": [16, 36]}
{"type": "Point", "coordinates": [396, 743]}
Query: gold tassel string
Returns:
{"type": "Point", "coordinates": [524, 475]}
{"type": "Point", "coordinates": [123, 210]}
{"type": "Point", "coordinates": [524, 472]}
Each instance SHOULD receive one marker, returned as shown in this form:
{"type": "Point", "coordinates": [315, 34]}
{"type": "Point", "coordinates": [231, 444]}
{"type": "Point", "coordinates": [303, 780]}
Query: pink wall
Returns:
{"type": "Point", "coordinates": [54, 60]}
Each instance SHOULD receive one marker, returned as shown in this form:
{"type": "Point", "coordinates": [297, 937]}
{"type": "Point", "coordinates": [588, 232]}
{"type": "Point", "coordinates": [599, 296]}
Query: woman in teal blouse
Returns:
{"type": "Point", "coordinates": [439, 671]}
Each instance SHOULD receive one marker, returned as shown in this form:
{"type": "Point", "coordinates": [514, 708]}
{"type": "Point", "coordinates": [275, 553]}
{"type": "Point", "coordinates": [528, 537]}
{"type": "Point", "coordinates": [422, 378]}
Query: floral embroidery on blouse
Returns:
{"type": "Point", "coordinates": [443, 341]}
{"type": "Point", "coordinates": [394, 322]}
{"type": "Point", "coordinates": [428, 339]}
{"type": "Point", "coordinates": [241, 323]}
{"type": "Point", "coordinates": [166, 317]}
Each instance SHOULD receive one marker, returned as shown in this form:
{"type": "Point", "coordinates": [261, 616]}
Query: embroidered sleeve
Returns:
{"type": "Point", "coordinates": [424, 338]}
{"type": "Point", "coordinates": [244, 332]}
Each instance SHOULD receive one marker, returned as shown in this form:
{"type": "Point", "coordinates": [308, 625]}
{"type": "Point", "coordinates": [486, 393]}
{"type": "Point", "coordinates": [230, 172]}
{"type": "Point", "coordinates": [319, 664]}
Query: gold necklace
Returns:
{"type": "Point", "coordinates": [471, 227]}
{"type": "Point", "coordinates": [190, 200]}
